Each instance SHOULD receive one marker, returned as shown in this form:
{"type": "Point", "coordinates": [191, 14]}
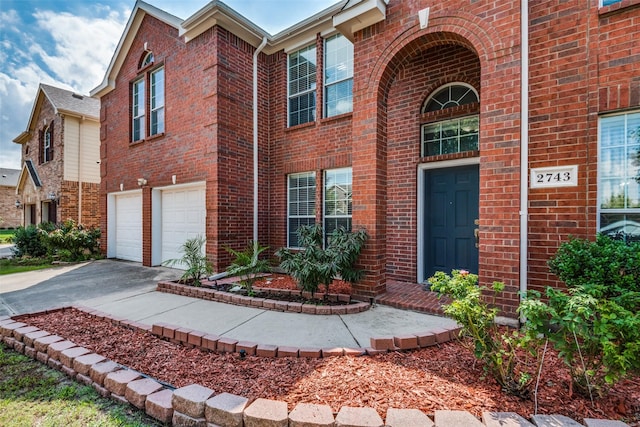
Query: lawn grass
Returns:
{"type": "Point", "coordinates": [10, 266]}
{"type": "Point", "coordinates": [34, 394]}
{"type": "Point", "coordinates": [6, 235]}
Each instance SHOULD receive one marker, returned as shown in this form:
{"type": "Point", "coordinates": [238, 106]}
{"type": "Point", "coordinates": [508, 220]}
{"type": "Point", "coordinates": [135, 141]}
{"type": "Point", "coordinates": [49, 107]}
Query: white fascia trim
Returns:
{"type": "Point", "coordinates": [133, 24]}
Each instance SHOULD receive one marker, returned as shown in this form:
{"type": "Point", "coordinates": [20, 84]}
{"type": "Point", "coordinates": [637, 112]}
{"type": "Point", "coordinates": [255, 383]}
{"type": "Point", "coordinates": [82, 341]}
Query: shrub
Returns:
{"type": "Point", "coordinates": [248, 265]}
{"type": "Point", "coordinates": [71, 242]}
{"type": "Point", "coordinates": [193, 259]}
{"type": "Point", "coordinates": [315, 265]}
{"type": "Point", "coordinates": [595, 323]}
{"type": "Point", "coordinates": [28, 242]}
{"type": "Point", "coordinates": [496, 348]}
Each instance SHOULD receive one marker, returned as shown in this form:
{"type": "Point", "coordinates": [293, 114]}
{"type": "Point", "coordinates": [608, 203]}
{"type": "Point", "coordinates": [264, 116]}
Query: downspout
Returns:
{"type": "Point", "coordinates": [80, 170]}
{"type": "Point", "coordinates": [524, 147]}
{"type": "Point", "coordinates": [255, 138]}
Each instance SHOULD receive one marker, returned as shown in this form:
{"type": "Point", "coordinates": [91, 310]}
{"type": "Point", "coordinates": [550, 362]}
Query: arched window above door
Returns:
{"type": "Point", "coordinates": [453, 129]}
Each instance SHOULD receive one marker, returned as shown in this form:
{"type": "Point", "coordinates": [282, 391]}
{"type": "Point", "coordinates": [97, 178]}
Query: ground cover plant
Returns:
{"type": "Point", "coordinates": [33, 394]}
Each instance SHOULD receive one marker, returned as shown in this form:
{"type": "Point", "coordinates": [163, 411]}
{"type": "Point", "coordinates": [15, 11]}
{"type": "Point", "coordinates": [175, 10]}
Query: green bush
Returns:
{"type": "Point", "coordinates": [193, 259]}
{"type": "Point", "coordinates": [315, 265]}
{"type": "Point", "coordinates": [497, 348]}
{"type": "Point", "coordinates": [594, 323]}
{"type": "Point", "coordinates": [71, 242]}
{"type": "Point", "coordinates": [28, 242]}
{"type": "Point", "coordinates": [248, 265]}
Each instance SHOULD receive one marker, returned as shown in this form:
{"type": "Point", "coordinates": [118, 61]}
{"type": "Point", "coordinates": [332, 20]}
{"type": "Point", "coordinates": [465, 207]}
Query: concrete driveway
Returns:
{"type": "Point", "coordinates": [62, 286]}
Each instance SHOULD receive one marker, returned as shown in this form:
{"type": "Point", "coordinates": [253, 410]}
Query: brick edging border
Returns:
{"type": "Point", "coordinates": [195, 404]}
{"type": "Point", "coordinates": [210, 294]}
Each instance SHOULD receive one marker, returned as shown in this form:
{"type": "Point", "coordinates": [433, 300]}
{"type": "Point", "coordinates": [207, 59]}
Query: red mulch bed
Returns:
{"type": "Point", "coordinates": [283, 281]}
{"type": "Point", "coordinates": [443, 377]}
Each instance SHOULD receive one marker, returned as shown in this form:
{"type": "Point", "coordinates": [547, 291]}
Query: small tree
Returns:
{"type": "Point", "coordinates": [193, 259]}
{"type": "Point", "coordinates": [248, 265]}
{"type": "Point", "coordinates": [315, 265]}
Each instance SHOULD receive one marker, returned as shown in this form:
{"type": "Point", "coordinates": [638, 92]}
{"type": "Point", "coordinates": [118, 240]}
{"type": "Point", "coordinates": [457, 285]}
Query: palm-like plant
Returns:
{"type": "Point", "coordinates": [193, 259]}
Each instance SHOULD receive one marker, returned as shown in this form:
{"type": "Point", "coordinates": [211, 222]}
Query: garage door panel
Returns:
{"type": "Point", "coordinates": [129, 227]}
{"type": "Point", "coordinates": [183, 218]}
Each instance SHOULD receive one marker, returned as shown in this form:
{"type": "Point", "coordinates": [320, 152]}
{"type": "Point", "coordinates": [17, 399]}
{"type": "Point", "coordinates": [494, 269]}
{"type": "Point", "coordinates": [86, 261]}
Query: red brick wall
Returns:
{"type": "Point", "coordinates": [207, 135]}
{"type": "Point", "coordinates": [69, 199]}
{"type": "Point", "coordinates": [584, 62]}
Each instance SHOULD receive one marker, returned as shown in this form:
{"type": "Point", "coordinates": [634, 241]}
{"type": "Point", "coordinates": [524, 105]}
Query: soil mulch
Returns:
{"type": "Point", "coordinates": [442, 377]}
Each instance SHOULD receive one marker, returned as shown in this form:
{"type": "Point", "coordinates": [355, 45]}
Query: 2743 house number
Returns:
{"type": "Point", "coordinates": [561, 176]}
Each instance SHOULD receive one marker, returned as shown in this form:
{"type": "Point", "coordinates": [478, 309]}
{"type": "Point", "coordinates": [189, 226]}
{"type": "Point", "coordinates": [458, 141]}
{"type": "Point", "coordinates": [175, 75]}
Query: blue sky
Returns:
{"type": "Point", "coordinates": [69, 43]}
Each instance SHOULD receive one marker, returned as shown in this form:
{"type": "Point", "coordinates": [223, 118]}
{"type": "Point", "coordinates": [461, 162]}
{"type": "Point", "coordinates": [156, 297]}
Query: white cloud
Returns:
{"type": "Point", "coordinates": [83, 46]}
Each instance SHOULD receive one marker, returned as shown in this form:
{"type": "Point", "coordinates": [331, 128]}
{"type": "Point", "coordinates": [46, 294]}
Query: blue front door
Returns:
{"type": "Point", "coordinates": [451, 217]}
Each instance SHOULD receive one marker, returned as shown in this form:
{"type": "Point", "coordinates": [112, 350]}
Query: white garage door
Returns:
{"type": "Point", "coordinates": [183, 217]}
{"type": "Point", "coordinates": [129, 227]}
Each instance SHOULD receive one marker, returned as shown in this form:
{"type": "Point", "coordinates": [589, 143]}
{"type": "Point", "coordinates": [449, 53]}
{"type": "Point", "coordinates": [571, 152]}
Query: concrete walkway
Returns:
{"type": "Point", "coordinates": [126, 289]}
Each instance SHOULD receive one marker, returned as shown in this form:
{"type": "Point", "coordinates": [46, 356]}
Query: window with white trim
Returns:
{"type": "Point", "coordinates": [157, 102]}
{"type": "Point", "coordinates": [619, 176]}
{"type": "Point", "coordinates": [137, 111]}
{"type": "Point", "coordinates": [337, 200]}
{"type": "Point", "coordinates": [450, 135]}
{"type": "Point", "coordinates": [46, 144]}
{"type": "Point", "coordinates": [301, 204]}
{"type": "Point", "coordinates": [301, 67]}
{"type": "Point", "coordinates": [338, 75]}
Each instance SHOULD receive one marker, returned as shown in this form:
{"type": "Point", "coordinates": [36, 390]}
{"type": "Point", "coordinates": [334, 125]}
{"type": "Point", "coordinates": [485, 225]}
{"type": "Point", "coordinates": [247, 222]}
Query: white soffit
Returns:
{"type": "Point", "coordinates": [361, 15]}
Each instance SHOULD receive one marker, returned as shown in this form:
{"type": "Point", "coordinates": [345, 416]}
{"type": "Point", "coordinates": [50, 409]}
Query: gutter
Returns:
{"type": "Point", "coordinates": [524, 148]}
{"type": "Point", "coordinates": [255, 138]}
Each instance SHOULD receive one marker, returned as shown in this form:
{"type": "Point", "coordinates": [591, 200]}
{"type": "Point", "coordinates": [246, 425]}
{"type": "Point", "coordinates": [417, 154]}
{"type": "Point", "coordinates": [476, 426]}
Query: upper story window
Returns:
{"type": "Point", "coordinates": [302, 85]}
{"type": "Point", "coordinates": [157, 102]}
{"type": "Point", "coordinates": [46, 144]}
{"type": "Point", "coordinates": [451, 134]}
{"type": "Point", "coordinates": [338, 76]}
{"type": "Point", "coordinates": [138, 125]}
{"type": "Point", "coordinates": [147, 94]}
{"type": "Point", "coordinates": [608, 2]}
{"type": "Point", "coordinates": [619, 176]}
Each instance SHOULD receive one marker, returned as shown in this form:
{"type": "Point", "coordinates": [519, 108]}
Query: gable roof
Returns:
{"type": "Point", "coordinates": [64, 102]}
{"type": "Point", "coordinates": [28, 170]}
{"type": "Point", "coordinates": [9, 177]}
{"type": "Point", "coordinates": [345, 16]}
{"type": "Point", "coordinates": [130, 30]}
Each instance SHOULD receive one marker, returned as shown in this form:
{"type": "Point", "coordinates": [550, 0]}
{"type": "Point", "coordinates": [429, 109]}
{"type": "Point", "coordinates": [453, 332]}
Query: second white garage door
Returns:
{"type": "Point", "coordinates": [183, 217]}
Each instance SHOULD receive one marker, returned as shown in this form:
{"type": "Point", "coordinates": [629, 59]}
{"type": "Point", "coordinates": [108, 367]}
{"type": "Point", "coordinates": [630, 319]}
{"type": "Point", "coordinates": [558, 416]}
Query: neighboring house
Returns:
{"type": "Point", "coordinates": [10, 217]}
{"type": "Point", "coordinates": [455, 144]}
{"type": "Point", "coordinates": [60, 176]}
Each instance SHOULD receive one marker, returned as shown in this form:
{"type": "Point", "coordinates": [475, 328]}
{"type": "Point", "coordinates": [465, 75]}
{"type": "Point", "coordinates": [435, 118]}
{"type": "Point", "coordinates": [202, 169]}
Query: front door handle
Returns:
{"type": "Point", "coordinates": [476, 232]}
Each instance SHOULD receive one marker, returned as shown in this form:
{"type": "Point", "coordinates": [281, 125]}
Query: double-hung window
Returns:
{"type": "Point", "coordinates": [301, 204]}
{"type": "Point", "coordinates": [157, 101]}
{"type": "Point", "coordinates": [338, 75]}
{"type": "Point", "coordinates": [46, 144]}
{"type": "Point", "coordinates": [302, 85]}
{"type": "Point", "coordinates": [147, 94]}
{"type": "Point", "coordinates": [619, 176]}
{"type": "Point", "coordinates": [138, 109]}
{"type": "Point", "coordinates": [337, 200]}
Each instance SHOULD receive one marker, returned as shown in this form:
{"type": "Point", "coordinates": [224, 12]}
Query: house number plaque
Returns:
{"type": "Point", "coordinates": [560, 176]}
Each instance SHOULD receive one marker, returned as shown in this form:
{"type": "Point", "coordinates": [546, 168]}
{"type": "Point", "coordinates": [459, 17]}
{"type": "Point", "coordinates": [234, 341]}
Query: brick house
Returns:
{"type": "Point", "coordinates": [60, 176]}
{"type": "Point", "coordinates": [10, 217]}
{"type": "Point", "coordinates": [413, 109]}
